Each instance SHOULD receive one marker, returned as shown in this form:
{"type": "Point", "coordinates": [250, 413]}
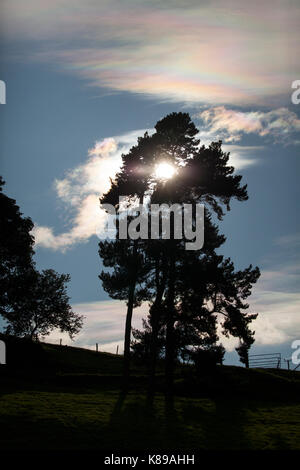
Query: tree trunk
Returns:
{"type": "Point", "coordinates": [33, 332]}
{"type": "Point", "coordinates": [170, 347]}
{"type": "Point", "coordinates": [154, 321]}
{"type": "Point", "coordinates": [170, 353]}
{"type": "Point", "coordinates": [126, 364]}
{"type": "Point", "coordinates": [153, 349]}
{"type": "Point", "coordinates": [131, 292]}
{"type": "Point", "coordinates": [247, 359]}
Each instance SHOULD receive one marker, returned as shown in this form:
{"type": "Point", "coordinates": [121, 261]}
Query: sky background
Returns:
{"type": "Point", "coordinates": [85, 79]}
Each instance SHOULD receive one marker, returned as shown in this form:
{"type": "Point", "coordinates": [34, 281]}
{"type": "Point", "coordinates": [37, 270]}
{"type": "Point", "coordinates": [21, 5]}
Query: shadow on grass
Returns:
{"type": "Point", "coordinates": [220, 424]}
{"type": "Point", "coordinates": [139, 424]}
{"type": "Point", "coordinates": [169, 423]}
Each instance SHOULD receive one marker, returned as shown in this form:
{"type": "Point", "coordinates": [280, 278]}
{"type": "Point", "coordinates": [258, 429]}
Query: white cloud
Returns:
{"type": "Point", "coordinates": [243, 156]}
{"type": "Point", "coordinates": [278, 320]}
{"type": "Point", "coordinates": [80, 191]}
{"type": "Point", "coordinates": [280, 125]}
{"type": "Point", "coordinates": [276, 297]}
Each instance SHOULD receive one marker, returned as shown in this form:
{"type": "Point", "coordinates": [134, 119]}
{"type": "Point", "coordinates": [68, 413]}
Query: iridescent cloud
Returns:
{"type": "Point", "coordinates": [210, 52]}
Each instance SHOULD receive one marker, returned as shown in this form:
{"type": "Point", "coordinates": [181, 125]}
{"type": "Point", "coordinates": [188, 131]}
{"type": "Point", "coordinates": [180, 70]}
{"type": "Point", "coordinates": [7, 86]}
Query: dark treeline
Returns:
{"type": "Point", "coordinates": [189, 292]}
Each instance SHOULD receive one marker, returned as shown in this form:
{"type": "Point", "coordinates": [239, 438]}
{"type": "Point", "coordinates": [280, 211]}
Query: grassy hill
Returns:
{"type": "Point", "coordinates": [56, 397]}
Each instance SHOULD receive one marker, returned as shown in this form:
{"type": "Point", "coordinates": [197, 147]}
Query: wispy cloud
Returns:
{"type": "Point", "coordinates": [243, 156]}
{"type": "Point", "coordinates": [291, 241]}
{"type": "Point", "coordinates": [195, 52]}
{"type": "Point", "coordinates": [278, 321]}
{"type": "Point", "coordinates": [80, 191]}
{"type": "Point", "coordinates": [278, 307]}
{"type": "Point", "coordinates": [104, 324]}
{"type": "Point", "coordinates": [280, 125]}
{"type": "Point", "coordinates": [276, 296]}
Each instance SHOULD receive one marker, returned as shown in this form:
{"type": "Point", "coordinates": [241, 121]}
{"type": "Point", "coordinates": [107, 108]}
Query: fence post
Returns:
{"type": "Point", "coordinates": [279, 362]}
{"type": "Point", "coordinates": [247, 360]}
{"type": "Point", "coordinates": [96, 347]}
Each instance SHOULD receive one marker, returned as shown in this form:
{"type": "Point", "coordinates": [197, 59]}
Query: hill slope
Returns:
{"type": "Point", "coordinates": [68, 398]}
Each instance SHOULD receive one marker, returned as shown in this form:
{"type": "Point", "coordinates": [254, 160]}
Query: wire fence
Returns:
{"type": "Point", "coordinates": [265, 360]}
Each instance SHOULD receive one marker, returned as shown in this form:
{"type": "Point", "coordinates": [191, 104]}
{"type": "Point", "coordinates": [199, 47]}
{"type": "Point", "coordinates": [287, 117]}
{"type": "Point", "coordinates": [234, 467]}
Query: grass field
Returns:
{"type": "Point", "coordinates": [75, 403]}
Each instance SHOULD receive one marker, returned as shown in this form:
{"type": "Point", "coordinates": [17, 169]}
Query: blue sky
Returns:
{"type": "Point", "coordinates": [84, 79]}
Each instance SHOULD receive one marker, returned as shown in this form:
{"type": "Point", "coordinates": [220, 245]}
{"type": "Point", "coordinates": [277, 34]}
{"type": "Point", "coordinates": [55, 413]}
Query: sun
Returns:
{"type": "Point", "coordinates": [164, 171]}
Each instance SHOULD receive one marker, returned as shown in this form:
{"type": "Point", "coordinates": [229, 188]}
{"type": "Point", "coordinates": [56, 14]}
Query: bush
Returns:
{"type": "Point", "coordinates": [206, 360]}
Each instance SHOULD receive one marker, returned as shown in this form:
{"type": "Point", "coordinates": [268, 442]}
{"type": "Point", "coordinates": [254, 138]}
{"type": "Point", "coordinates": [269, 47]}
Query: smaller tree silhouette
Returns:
{"type": "Point", "coordinates": [243, 351]}
{"type": "Point", "coordinates": [44, 307]}
{"type": "Point", "coordinates": [32, 303]}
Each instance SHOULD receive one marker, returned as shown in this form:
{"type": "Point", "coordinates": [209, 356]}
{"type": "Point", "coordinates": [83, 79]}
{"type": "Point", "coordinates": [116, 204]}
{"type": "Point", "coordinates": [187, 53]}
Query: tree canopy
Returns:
{"type": "Point", "coordinates": [44, 307]}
